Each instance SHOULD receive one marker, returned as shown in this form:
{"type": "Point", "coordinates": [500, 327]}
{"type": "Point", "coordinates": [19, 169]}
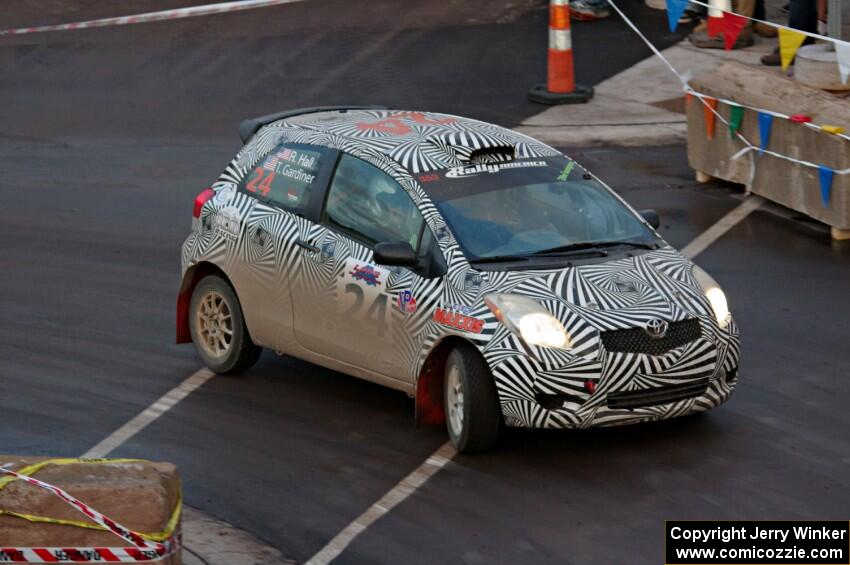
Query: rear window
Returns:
{"type": "Point", "coordinates": [287, 176]}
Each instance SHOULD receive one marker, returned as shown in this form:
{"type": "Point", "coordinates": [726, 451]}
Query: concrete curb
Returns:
{"type": "Point", "coordinates": [642, 105]}
{"type": "Point", "coordinates": [208, 541]}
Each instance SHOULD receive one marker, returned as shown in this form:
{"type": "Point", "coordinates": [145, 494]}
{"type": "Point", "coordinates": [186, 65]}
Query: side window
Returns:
{"type": "Point", "coordinates": [287, 176]}
{"type": "Point", "coordinates": [371, 206]}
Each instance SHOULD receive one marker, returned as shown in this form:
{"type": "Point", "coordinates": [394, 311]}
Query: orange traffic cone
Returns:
{"type": "Point", "coordinates": [560, 87]}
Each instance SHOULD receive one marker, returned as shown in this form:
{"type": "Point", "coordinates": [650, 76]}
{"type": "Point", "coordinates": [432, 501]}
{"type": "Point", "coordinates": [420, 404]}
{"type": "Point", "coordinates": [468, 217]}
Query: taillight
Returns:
{"type": "Point", "coordinates": [200, 200]}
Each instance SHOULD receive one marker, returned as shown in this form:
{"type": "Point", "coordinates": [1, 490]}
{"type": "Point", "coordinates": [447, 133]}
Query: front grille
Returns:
{"type": "Point", "coordinates": [655, 396]}
{"type": "Point", "coordinates": [636, 340]}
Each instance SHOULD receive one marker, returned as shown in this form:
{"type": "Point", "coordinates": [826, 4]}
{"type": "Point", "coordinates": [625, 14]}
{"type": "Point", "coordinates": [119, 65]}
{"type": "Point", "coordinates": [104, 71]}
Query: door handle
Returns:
{"type": "Point", "coordinates": [306, 246]}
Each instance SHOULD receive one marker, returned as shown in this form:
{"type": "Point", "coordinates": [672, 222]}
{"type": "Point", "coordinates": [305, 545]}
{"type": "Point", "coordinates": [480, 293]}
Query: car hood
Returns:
{"type": "Point", "coordinates": [617, 294]}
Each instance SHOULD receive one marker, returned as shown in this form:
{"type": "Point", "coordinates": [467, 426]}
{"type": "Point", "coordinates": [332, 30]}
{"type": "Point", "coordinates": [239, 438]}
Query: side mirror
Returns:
{"type": "Point", "coordinates": [651, 217]}
{"type": "Point", "coordinates": [394, 254]}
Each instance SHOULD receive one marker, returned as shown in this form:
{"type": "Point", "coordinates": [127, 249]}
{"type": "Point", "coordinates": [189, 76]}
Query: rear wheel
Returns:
{"type": "Point", "coordinates": [218, 327]}
{"type": "Point", "coordinates": [472, 408]}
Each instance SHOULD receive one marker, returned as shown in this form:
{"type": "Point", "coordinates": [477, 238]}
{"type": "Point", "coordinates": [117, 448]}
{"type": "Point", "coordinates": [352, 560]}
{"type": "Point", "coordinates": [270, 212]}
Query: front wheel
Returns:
{"type": "Point", "coordinates": [472, 408]}
{"type": "Point", "coordinates": [218, 327]}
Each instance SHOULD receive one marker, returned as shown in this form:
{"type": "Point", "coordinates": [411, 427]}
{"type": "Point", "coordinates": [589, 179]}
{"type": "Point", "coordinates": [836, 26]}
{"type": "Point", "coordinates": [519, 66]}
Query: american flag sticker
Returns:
{"type": "Point", "coordinates": [271, 163]}
{"type": "Point", "coordinates": [287, 154]}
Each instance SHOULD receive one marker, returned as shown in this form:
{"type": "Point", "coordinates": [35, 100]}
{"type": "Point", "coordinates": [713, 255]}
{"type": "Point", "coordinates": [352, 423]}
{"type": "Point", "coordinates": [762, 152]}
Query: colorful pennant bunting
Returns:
{"type": "Point", "coordinates": [800, 119]}
{"type": "Point", "coordinates": [708, 110]}
{"type": "Point", "coordinates": [765, 125]}
{"type": "Point", "coordinates": [715, 26]}
{"type": "Point", "coordinates": [732, 26]}
{"type": "Point", "coordinates": [832, 129]}
{"type": "Point", "coordinates": [789, 42]}
{"type": "Point", "coordinates": [675, 9]}
{"type": "Point", "coordinates": [736, 116]}
{"type": "Point", "coordinates": [825, 174]}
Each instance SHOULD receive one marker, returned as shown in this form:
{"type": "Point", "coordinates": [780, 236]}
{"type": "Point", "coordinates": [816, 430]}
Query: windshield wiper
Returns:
{"type": "Point", "coordinates": [597, 247]}
{"type": "Point", "coordinates": [592, 246]}
{"type": "Point", "coordinates": [499, 259]}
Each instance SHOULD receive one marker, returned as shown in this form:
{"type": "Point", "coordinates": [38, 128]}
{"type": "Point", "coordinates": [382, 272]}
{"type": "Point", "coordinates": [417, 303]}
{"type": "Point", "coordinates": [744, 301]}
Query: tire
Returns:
{"type": "Point", "coordinates": [473, 414]}
{"type": "Point", "coordinates": [213, 312]}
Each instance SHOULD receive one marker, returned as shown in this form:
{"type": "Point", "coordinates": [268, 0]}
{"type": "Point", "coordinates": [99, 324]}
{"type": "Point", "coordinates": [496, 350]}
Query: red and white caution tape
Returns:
{"type": "Point", "coordinates": [142, 549]}
{"type": "Point", "coordinates": [78, 555]}
{"type": "Point", "coordinates": [177, 13]}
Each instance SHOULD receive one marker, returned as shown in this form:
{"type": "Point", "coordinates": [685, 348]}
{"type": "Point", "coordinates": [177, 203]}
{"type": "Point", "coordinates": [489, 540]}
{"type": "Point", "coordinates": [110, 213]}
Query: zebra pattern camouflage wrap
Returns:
{"type": "Point", "coordinates": [537, 386]}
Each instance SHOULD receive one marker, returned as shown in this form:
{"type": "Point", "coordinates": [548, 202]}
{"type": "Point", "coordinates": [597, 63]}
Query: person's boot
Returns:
{"type": "Point", "coordinates": [699, 36]}
{"type": "Point", "coordinates": [773, 59]}
{"type": "Point", "coordinates": [694, 12]}
{"type": "Point", "coordinates": [588, 10]}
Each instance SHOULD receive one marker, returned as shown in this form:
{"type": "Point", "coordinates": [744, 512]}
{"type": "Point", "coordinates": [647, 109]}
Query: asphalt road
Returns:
{"type": "Point", "coordinates": [108, 135]}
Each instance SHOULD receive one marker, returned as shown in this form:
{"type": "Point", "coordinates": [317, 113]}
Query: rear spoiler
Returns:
{"type": "Point", "coordinates": [250, 126]}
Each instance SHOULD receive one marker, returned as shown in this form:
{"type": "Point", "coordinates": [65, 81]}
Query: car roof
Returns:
{"type": "Point", "coordinates": [419, 141]}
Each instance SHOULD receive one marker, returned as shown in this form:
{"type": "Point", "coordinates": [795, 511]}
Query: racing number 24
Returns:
{"type": "Point", "coordinates": [376, 315]}
{"type": "Point", "coordinates": [260, 183]}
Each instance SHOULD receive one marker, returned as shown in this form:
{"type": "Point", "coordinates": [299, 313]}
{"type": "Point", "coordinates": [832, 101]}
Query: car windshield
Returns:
{"type": "Point", "coordinates": [532, 207]}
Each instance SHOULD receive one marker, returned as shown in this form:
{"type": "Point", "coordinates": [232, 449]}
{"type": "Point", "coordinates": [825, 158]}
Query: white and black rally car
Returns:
{"type": "Point", "coordinates": [477, 269]}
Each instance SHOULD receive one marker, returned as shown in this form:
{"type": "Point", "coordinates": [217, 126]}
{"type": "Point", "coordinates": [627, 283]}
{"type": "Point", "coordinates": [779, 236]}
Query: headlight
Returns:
{"type": "Point", "coordinates": [715, 296]}
{"type": "Point", "coordinates": [528, 319]}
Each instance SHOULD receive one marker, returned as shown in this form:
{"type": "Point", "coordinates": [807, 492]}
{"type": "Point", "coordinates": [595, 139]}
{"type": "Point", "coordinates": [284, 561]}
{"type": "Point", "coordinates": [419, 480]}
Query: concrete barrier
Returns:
{"type": "Point", "coordinates": [140, 495]}
{"type": "Point", "coordinates": [787, 183]}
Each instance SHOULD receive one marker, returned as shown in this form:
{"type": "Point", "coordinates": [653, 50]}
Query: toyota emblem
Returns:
{"type": "Point", "coordinates": [656, 329]}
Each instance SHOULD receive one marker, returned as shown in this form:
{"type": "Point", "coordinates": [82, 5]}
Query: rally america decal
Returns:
{"type": "Point", "coordinates": [411, 315]}
{"type": "Point", "coordinates": [471, 171]}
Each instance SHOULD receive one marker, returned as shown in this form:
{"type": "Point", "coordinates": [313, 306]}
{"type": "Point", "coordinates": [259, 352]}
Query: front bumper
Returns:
{"type": "Point", "coordinates": [618, 388]}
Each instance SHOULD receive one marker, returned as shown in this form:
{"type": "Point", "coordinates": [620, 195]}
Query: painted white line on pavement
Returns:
{"type": "Point", "coordinates": [393, 498]}
{"type": "Point", "coordinates": [446, 453]}
{"type": "Point", "coordinates": [175, 14]}
{"type": "Point", "coordinates": [149, 414]}
{"type": "Point", "coordinates": [419, 476]}
{"type": "Point", "coordinates": [722, 226]}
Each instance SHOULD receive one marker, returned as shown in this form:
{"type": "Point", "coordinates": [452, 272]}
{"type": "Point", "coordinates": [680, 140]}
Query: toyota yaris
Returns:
{"type": "Point", "coordinates": [478, 270]}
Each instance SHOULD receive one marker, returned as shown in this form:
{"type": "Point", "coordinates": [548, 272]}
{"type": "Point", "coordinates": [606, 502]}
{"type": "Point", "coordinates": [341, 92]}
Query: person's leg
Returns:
{"type": "Point", "coordinates": [823, 28]}
{"type": "Point", "coordinates": [803, 15]}
{"type": "Point", "coordinates": [745, 7]}
{"type": "Point", "coordinates": [764, 30]}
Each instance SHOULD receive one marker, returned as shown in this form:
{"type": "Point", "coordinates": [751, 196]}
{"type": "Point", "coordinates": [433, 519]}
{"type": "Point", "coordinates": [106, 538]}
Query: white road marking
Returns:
{"type": "Point", "coordinates": [165, 403]}
{"type": "Point", "coordinates": [446, 453]}
{"type": "Point", "coordinates": [408, 485]}
{"type": "Point", "coordinates": [419, 476]}
{"type": "Point", "coordinates": [723, 225]}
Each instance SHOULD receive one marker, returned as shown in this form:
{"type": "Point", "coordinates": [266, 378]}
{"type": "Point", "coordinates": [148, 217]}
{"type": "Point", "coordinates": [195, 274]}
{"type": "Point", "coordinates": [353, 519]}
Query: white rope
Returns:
{"type": "Point", "coordinates": [701, 97]}
{"type": "Point", "coordinates": [649, 44]}
{"type": "Point", "coordinates": [810, 125]}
